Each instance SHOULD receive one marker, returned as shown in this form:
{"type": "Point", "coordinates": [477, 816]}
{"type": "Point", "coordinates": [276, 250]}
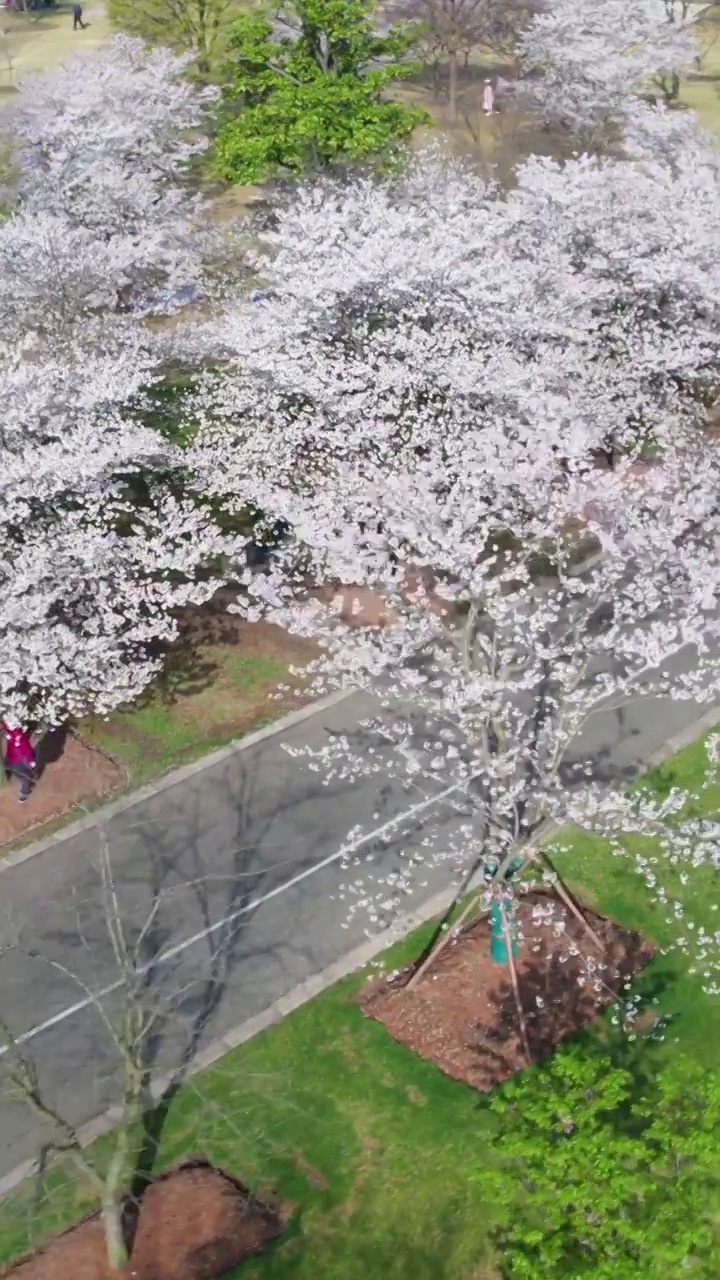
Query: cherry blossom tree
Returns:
{"type": "Point", "coordinates": [100, 548]}
{"type": "Point", "coordinates": [104, 536]}
{"type": "Point", "coordinates": [106, 145]}
{"type": "Point", "coordinates": [675, 138]}
{"type": "Point", "coordinates": [54, 276]}
{"type": "Point", "coordinates": [422, 396]}
{"type": "Point", "coordinates": [578, 310]}
{"type": "Point", "coordinates": [585, 62]}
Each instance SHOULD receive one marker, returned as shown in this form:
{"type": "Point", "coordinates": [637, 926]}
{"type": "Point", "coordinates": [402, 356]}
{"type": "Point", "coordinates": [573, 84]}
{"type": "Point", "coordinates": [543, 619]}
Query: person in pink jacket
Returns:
{"type": "Point", "coordinates": [19, 757]}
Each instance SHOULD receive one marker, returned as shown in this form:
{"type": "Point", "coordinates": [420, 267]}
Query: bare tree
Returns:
{"type": "Point", "coordinates": [194, 26]}
{"type": "Point", "coordinates": [503, 23]}
{"type": "Point", "coordinates": [7, 58]}
{"type": "Point", "coordinates": [146, 996]}
{"type": "Point", "coordinates": [455, 28]}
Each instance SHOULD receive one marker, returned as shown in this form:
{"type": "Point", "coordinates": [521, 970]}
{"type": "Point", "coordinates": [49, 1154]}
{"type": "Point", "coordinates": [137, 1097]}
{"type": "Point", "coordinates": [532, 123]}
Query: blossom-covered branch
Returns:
{"type": "Point", "coordinates": [424, 397]}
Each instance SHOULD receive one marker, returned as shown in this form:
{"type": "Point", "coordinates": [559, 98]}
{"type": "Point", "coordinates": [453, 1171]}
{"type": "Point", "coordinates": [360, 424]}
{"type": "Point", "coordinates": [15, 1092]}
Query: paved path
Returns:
{"type": "Point", "coordinates": [44, 40]}
{"type": "Point", "coordinates": [265, 837]}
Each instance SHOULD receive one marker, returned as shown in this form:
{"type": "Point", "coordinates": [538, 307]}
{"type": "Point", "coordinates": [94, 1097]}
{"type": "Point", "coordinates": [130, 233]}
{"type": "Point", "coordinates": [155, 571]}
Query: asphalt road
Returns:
{"type": "Point", "coordinates": [237, 873]}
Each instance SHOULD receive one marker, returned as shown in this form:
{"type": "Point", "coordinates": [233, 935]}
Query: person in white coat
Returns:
{"type": "Point", "coordinates": [488, 98]}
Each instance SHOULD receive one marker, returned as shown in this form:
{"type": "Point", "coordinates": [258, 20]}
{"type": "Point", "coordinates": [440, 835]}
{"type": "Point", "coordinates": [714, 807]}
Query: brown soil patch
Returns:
{"type": "Point", "coordinates": [211, 624]}
{"type": "Point", "coordinates": [364, 607]}
{"type": "Point", "coordinates": [69, 772]}
{"type": "Point", "coordinates": [463, 1016]}
{"type": "Point", "coordinates": [195, 1223]}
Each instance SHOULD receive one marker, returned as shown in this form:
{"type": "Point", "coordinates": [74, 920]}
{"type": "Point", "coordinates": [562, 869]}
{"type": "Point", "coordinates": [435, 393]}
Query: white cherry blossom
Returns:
{"type": "Point", "coordinates": [427, 421]}
{"type": "Point", "coordinates": [586, 61]}
{"type": "Point", "coordinates": [115, 165]}
{"type": "Point", "coordinates": [105, 538]}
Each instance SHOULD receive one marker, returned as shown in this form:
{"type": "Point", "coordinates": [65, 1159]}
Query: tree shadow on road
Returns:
{"type": "Point", "coordinates": [162, 936]}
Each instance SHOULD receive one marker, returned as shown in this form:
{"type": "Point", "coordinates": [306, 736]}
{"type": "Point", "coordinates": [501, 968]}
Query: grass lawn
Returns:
{"type": "Point", "coordinates": [371, 1147]}
{"type": "Point", "coordinates": [219, 689]}
{"type": "Point", "coordinates": [611, 884]}
{"type": "Point", "coordinates": [39, 41]}
{"type": "Point", "coordinates": [700, 90]}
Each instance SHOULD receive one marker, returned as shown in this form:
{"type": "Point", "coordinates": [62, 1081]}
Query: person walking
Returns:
{"type": "Point", "coordinates": [488, 98]}
{"type": "Point", "coordinates": [78, 18]}
{"type": "Point", "coordinates": [19, 758]}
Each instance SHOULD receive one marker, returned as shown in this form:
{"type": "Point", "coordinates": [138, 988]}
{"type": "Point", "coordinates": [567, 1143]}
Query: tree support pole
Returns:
{"type": "Point", "coordinates": [565, 895]}
{"type": "Point", "coordinates": [451, 932]}
{"type": "Point", "coordinates": [515, 985]}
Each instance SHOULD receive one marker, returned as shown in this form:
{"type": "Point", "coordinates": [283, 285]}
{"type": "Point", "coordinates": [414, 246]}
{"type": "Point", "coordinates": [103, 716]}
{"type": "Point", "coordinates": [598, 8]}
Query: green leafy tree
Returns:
{"type": "Point", "coordinates": [199, 27]}
{"type": "Point", "coordinates": [598, 1182]}
{"type": "Point", "coordinates": [316, 96]}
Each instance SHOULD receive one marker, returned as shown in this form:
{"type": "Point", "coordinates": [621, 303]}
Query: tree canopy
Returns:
{"type": "Point", "coordinates": [310, 90]}
{"type": "Point", "coordinates": [197, 27]}
{"type": "Point", "coordinates": [586, 64]}
{"type": "Point", "coordinates": [423, 395]}
{"type": "Point", "coordinates": [98, 551]}
{"type": "Point", "coordinates": [604, 1175]}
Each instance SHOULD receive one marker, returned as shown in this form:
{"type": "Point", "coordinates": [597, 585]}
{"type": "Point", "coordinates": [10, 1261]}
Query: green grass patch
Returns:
{"type": "Point", "coordinates": [374, 1152]}
{"type": "Point", "coordinates": [369, 1147]}
{"type": "Point", "coordinates": [227, 693]}
{"type": "Point", "coordinates": [700, 89]}
{"type": "Point", "coordinates": [612, 885]}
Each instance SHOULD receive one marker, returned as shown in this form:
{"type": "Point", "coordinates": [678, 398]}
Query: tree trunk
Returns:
{"type": "Point", "coordinates": [115, 1188]}
{"type": "Point", "coordinates": [452, 80]}
{"type": "Point", "coordinates": [203, 41]}
{"type": "Point", "coordinates": [114, 1228]}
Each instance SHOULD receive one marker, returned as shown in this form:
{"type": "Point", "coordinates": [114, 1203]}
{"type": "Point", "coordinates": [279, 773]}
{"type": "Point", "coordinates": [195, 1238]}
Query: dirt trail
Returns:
{"type": "Point", "coordinates": [38, 41]}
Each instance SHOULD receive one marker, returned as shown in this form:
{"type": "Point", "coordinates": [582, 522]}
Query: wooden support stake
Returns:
{"type": "Point", "coordinates": [515, 985]}
{"type": "Point", "coordinates": [451, 932]}
{"type": "Point", "coordinates": [566, 896]}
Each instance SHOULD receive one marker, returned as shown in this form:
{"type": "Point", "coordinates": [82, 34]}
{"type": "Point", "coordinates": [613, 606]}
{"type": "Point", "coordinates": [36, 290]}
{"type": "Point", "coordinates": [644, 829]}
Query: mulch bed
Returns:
{"type": "Point", "coordinates": [70, 773]}
{"type": "Point", "coordinates": [462, 1015]}
{"type": "Point", "coordinates": [196, 1222]}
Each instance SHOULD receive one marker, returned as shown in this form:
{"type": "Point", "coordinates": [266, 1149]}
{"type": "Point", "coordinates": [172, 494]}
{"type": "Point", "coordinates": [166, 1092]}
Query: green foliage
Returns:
{"type": "Point", "coordinates": [189, 26]}
{"type": "Point", "coordinates": [607, 1173]}
{"type": "Point", "coordinates": [163, 407]}
{"type": "Point", "coordinates": [300, 103]}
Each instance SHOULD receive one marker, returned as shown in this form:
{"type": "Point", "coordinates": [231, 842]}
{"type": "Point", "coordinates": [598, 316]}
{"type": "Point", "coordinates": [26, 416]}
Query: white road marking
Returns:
{"type": "Point", "coordinates": [172, 952]}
